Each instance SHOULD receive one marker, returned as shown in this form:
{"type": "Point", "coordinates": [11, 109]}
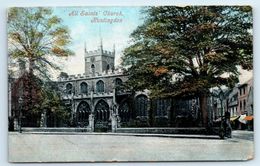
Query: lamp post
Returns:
{"type": "Point", "coordinates": [20, 101]}
{"type": "Point", "coordinates": [70, 97]}
{"type": "Point", "coordinates": [221, 97]}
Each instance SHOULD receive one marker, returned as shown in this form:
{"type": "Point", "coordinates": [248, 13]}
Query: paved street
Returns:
{"type": "Point", "coordinates": [28, 147]}
{"type": "Point", "coordinates": [240, 134]}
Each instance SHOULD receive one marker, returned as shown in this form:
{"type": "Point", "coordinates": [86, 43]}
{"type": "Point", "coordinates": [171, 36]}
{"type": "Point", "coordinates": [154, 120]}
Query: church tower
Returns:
{"type": "Point", "coordinates": [99, 61]}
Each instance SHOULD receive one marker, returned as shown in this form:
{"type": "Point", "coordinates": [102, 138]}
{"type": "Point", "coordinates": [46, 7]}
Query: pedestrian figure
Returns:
{"type": "Point", "coordinates": [227, 125]}
{"type": "Point", "coordinates": [118, 121]}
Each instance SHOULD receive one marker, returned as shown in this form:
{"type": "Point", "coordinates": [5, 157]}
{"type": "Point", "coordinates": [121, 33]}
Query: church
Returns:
{"type": "Point", "coordinates": [91, 95]}
{"type": "Point", "coordinates": [97, 103]}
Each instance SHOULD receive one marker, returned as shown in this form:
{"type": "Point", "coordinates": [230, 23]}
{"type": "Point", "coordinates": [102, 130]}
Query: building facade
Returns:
{"type": "Point", "coordinates": [243, 95]}
{"type": "Point", "coordinates": [233, 102]}
{"type": "Point", "coordinates": [97, 103]}
{"type": "Point", "coordinates": [239, 102]}
{"type": "Point", "coordinates": [91, 96]}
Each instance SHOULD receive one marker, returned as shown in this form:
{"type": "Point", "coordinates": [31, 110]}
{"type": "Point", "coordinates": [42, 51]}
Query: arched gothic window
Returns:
{"type": "Point", "coordinates": [93, 69]}
{"type": "Point", "coordinates": [161, 107]}
{"type": "Point", "coordinates": [123, 112]}
{"type": "Point", "coordinates": [101, 111]}
{"type": "Point", "coordinates": [84, 88]}
{"type": "Point", "coordinates": [100, 86]}
{"type": "Point", "coordinates": [108, 67]}
{"type": "Point", "coordinates": [83, 112]}
{"type": "Point", "coordinates": [141, 105]}
{"type": "Point", "coordinates": [118, 82]}
{"type": "Point", "coordinates": [69, 88]}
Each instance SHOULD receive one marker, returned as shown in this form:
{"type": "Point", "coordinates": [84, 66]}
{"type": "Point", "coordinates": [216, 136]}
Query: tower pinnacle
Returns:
{"type": "Point", "coordinates": [114, 49]}
{"type": "Point", "coordinates": [85, 47]}
{"type": "Point", "coordinates": [101, 44]}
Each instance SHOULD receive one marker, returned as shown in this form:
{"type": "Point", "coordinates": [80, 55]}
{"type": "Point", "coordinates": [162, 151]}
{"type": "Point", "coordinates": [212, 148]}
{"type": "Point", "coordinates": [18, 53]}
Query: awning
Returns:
{"type": "Point", "coordinates": [248, 118]}
{"type": "Point", "coordinates": [217, 120]}
{"type": "Point", "coordinates": [242, 119]}
{"type": "Point", "coordinates": [234, 118]}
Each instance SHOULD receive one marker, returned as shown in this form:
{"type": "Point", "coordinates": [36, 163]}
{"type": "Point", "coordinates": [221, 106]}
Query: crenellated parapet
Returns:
{"type": "Point", "coordinates": [109, 73]}
{"type": "Point", "coordinates": [99, 52]}
{"type": "Point", "coordinates": [86, 96]}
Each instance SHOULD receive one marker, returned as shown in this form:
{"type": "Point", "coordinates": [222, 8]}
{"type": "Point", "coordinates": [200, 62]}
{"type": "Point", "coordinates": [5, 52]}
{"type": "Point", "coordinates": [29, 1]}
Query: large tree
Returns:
{"type": "Point", "coordinates": [185, 51]}
{"type": "Point", "coordinates": [35, 35]}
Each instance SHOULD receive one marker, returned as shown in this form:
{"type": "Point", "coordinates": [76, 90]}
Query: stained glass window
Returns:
{"type": "Point", "coordinates": [100, 86]}
{"type": "Point", "coordinates": [69, 88]}
{"type": "Point", "coordinates": [84, 88]}
{"type": "Point", "coordinates": [83, 112]}
{"type": "Point", "coordinates": [124, 112]}
{"type": "Point", "coordinates": [141, 105]}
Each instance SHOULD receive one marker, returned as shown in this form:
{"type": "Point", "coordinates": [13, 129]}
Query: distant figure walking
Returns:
{"type": "Point", "coordinates": [227, 125]}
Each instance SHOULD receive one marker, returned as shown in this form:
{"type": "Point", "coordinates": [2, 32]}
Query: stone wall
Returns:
{"type": "Point", "coordinates": [108, 79]}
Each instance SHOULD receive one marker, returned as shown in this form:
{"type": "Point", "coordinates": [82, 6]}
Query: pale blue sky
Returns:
{"type": "Point", "coordinates": [83, 30]}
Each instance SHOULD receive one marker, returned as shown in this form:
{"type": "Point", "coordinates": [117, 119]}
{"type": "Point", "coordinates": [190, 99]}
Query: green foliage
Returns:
{"type": "Point", "coordinates": [52, 102]}
{"type": "Point", "coordinates": [37, 96]}
{"type": "Point", "coordinates": [63, 74]}
{"type": "Point", "coordinates": [35, 34]}
{"type": "Point", "coordinates": [185, 51]}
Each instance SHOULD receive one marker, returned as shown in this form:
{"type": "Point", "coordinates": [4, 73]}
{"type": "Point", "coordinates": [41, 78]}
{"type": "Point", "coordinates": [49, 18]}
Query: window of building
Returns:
{"type": "Point", "coordinates": [108, 67]}
{"type": "Point", "coordinates": [83, 88]}
{"type": "Point", "coordinates": [93, 69]}
{"type": "Point", "coordinates": [82, 114]}
{"type": "Point", "coordinates": [244, 105]}
{"type": "Point", "coordinates": [69, 88]}
{"type": "Point", "coordinates": [100, 86]}
{"type": "Point", "coordinates": [123, 112]}
{"type": "Point", "coordinates": [101, 111]}
{"type": "Point", "coordinates": [161, 107]}
{"type": "Point", "coordinates": [118, 82]}
{"type": "Point", "coordinates": [141, 103]}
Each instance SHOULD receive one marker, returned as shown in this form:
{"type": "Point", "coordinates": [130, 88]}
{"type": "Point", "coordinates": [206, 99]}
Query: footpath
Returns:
{"type": "Point", "coordinates": [194, 136]}
{"type": "Point", "coordinates": [240, 134]}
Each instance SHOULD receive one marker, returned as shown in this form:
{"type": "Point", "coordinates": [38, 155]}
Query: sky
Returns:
{"type": "Point", "coordinates": [84, 28]}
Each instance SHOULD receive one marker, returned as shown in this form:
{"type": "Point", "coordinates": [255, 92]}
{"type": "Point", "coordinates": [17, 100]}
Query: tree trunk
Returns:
{"type": "Point", "coordinates": [30, 87]}
{"type": "Point", "coordinates": [30, 82]}
{"type": "Point", "coordinates": [203, 108]}
{"type": "Point", "coordinates": [31, 66]}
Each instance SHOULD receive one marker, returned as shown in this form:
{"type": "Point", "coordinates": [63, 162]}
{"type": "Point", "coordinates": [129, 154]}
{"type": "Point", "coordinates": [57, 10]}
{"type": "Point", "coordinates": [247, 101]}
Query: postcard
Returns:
{"type": "Point", "coordinates": [129, 84]}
